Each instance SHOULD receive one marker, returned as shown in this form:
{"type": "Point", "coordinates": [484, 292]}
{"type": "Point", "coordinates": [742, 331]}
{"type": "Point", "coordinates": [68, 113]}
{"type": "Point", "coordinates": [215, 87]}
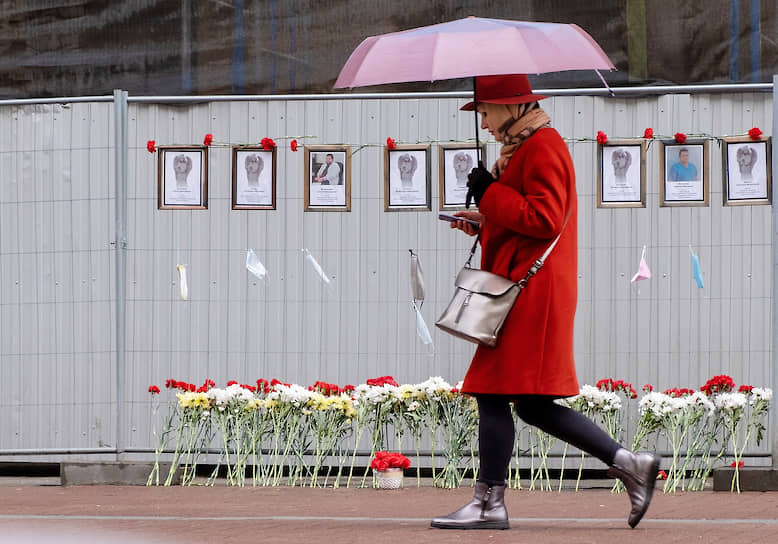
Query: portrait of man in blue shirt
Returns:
{"type": "Point", "coordinates": [683, 170]}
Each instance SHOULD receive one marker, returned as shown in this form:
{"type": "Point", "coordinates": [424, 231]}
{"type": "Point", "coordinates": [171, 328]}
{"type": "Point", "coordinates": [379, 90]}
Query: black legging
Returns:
{"type": "Point", "coordinates": [496, 431]}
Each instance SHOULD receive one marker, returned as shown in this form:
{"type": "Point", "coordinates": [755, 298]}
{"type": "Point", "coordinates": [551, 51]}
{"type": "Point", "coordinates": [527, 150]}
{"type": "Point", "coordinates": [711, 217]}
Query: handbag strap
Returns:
{"type": "Point", "coordinates": [537, 265]}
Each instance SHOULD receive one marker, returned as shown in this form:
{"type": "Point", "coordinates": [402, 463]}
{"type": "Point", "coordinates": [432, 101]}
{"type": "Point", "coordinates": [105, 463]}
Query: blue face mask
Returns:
{"type": "Point", "coordinates": [421, 327]}
{"type": "Point", "coordinates": [697, 271]}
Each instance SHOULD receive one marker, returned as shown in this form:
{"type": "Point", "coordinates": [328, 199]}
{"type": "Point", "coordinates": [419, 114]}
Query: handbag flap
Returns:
{"type": "Point", "coordinates": [481, 281]}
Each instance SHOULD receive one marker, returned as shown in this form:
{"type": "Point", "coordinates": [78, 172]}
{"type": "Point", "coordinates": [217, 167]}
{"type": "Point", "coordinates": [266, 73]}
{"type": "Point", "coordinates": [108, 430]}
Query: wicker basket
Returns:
{"type": "Point", "coordinates": [391, 478]}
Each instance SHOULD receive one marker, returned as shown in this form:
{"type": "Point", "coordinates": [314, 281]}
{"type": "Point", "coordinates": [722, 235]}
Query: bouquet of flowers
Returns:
{"type": "Point", "coordinates": [384, 460]}
{"type": "Point", "coordinates": [382, 465]}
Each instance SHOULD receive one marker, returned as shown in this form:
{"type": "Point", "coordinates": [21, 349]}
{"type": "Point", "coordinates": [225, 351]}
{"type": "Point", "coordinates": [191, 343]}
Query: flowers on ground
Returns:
{"type": "Point", "coordinates": [384, 460]}
{"type": "Point", "coordinates": [272, 432]}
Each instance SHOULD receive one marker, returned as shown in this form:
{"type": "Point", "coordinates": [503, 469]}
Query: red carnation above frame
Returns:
{"type": "Point", "coordinates": [680, 137]}
{"type": "Point", "coordinates": [755, 133]}
{"type": "Point", "coordinates": [390, 143]}
{"type": "Point", "coordinates": [151, 146]}
{"type": "Point", "coordinates": [268, 144]}
{"type": "Point", "coordinates": [602, 138]}
{"type": "Point", "coordinates": [208, 140]}
{"type": "Point", "coordinates": [649, 133]}
{"type": "Point", "coordinates": [293, 145]}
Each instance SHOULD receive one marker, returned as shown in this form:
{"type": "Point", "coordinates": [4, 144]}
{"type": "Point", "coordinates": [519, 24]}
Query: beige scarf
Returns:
{"type": "Point", "coordinates": [520, 122]}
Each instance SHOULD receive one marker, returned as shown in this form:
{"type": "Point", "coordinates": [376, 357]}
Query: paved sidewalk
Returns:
{"type": "Point", "coordinates": [51, 513]}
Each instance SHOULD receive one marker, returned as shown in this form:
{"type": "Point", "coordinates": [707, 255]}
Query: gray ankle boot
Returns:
{"type": "Point", "coordinates": [638, 471]}
{"type": "Point", "coordinates": [485, 511]}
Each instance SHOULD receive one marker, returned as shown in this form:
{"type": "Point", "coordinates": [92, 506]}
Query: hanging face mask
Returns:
{"type": "Point", "coordinates": [417, 279]}
{"type": "Point", "coordinates": [417, 294]}
{"type": "Point", "coordinates": [254, 265]}
{"type": "Point", "coordinates": [184, 287]}
{"type": "Point", "coordinates": [697, 271]}
{"type": "Point", "coordinates": [421, 327]}
{"type": "Point", "coordinates": [315, 265]}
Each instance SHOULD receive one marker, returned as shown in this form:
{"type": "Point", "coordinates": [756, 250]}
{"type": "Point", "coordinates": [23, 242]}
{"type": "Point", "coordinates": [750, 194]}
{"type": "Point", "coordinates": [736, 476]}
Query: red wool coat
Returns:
{"type": "Point", "coordinates": [524, 211]}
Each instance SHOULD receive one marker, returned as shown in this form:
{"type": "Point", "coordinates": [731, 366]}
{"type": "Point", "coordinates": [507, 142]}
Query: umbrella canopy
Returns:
{"type": "Point", "coordinates": [471, 47]}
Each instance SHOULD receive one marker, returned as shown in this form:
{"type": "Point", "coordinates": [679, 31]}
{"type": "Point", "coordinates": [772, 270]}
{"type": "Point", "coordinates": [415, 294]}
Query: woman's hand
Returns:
{"type": "Point", "coordinates": [466, 227]}
{"type": "Point", "coordinates": [478, 181]}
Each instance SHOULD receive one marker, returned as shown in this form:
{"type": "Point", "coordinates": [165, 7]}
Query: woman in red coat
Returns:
{"type": "Point", "coordinates": [525, 203]}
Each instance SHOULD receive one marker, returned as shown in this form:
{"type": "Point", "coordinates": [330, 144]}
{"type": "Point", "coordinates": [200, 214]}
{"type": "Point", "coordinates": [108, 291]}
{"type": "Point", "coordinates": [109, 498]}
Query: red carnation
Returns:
{"type": "Point", "coordinates": [390, 143]}
{"type": "Point", "coordinates": [154, 390]}
{"type": "Point", "coordinates": [232, 382]}
{"type": "Point", "coordinates": [267, 144]}
{"type": "Point", "coordinates": [649, 133]}
{"type": "Point", "coordinates": [648, 388]}
{"type": "Point", "coordinates": [747, 389]}
{"type": "Point", "coordinates": [755, 133]}
{"type": "Point", "coordinates": [150, 145]}
{"type": "Point", "coordinates": [293, 145]}
{"type": "Point", "coordinates": [680, 137]}
{"type": "Point", "coordinates": [740, 464]}
{"type": "Point", "coordinates": [602, 138]}
{"type": "Point", "coordinates": [718, 384]}
{"type": "Point", "coordinates": [208, 140]}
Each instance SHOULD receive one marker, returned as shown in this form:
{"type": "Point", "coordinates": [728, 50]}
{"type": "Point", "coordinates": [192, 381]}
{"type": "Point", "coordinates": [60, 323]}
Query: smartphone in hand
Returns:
{"type": "Point", "coordinates": [454, 218]}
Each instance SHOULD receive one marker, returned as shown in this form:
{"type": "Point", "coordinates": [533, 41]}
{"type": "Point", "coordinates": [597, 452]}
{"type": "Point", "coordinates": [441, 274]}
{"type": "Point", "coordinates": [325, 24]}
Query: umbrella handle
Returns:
{"type": "Point", "coordinates": [475, 116]}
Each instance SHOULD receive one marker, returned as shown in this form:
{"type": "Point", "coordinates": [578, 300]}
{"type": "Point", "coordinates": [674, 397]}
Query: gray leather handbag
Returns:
{"type": "Point", "coordinates": [482, 301]}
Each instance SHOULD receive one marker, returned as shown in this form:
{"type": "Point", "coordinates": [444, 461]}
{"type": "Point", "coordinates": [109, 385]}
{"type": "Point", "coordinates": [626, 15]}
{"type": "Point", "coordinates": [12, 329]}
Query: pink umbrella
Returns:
{"type": "Point", "coordinates": [471, 47]}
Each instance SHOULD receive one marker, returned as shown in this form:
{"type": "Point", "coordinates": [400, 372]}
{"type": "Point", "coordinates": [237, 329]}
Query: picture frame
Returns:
{"type": "Point", "coordinates": [455, 161]}
{"type": "Point", "coordinates": [685, 180]}
{"type": "Point", "coordinates": [407, 178]}
{"type": "Point", "coordinates": [182, 177]}
{"type": "Point", "coordinates": [253, 178]}
{"type": "Point", "coordinates": [747, 171]}
{"type": "Point", "coordinates": [325, 191]}
{"type": "Point", "coordinates": [621, 174]}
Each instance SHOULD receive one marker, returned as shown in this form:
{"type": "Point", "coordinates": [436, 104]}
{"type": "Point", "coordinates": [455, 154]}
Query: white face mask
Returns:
{"type": "Point", "coordinates": [417, 294]}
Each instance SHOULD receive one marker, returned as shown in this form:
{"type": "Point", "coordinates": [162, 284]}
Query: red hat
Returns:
{"type": "Point", "coordinates": [507, 89]}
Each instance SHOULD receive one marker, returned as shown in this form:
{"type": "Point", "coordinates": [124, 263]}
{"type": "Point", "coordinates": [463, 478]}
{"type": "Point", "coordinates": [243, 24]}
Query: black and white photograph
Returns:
{"type": "Point", "coordinates": [747, 175]}
{"type": "Point", "coordinates": [685, 173]}
{"type": "Point", "coordinates": [182, 177]}
{"type": "Point", "coordinates": [328, 183]}
{"type": "Point", "coordinates": [456, 161]}
{"type": "Point", "coordinates": [621, 174]}
{"type": "Point", "coordinates": [253, 178]}
{"type": "Point", "coordinates": [407, 178]}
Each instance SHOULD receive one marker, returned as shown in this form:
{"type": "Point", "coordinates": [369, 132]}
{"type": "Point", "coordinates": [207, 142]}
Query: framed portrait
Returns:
{"type": "Point", "coordinates": [328, 178]}
{"type": "Point", "coordinates": [621, 174]}
{"type": "Point", "coordinates": [253, 178]}
{"type": "Point", "coordinates": [747, 172]}
{"type": "Point", "coordinates": [182, 179]}
{"type": "Point", "coordinates": [455, 161]}
{"type": "Point", "coordinates": [407, 178]}
{"type": "Point", "coordinates": [685, 173]}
